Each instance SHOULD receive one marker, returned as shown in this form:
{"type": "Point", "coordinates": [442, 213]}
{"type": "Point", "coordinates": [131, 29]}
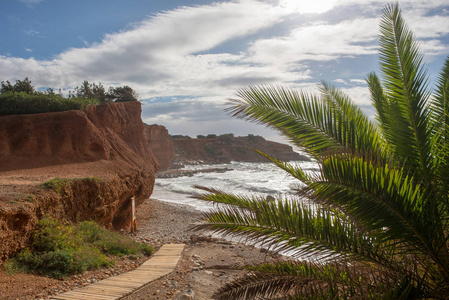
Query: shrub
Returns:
{"type": "Point", "coordinates": [13, 103]}
{"type": "Point", "coordinates": [57, 184]}
{"type": "Point", "coordinates": [60, 249]}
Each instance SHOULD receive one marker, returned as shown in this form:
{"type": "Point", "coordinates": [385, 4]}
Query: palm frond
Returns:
{"type": "Point", "coordinates": [218, 196]}
{"type": "Point", "coordinates": [362, 134]}
{"type": "Point", "coordinates": [440, 120]}
{"type": "Point", "coordinates": [299, 229]}
{"type": "Point", "coordinates": [315, 125]}
{"type": "Point", "coordinates": [440, 103]}
{"type": "Point", "coordinates": [380, 102]}
{"type": "Point", "coordinates": [260, 286]}
{"type": "Point", "coordinates": [384, 200]}
{"type": "Point", "coordinates": [293, 170]}
{"type": "Point", "coordinates": [405, 85]}
{"type": "Point", "coordinates": [309, 280]}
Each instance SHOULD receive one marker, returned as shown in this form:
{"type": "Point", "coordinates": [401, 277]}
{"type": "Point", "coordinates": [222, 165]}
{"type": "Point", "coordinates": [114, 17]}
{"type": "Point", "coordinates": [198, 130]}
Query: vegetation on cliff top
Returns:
{"type": "Point", "coordinates": [59, 249]}
{"type": "Point", "coordinates": [374, 222]}
{"type": "Point", "coordinates": [57, 184]}
{"type": "Point", "coordinates": [22, 98]}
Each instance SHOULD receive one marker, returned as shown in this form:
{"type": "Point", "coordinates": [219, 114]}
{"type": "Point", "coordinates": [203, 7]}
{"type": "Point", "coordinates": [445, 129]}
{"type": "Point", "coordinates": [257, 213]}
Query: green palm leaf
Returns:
{"type": "Point", "coordinates": [440, 124]}
{"type": "Point", "coordinates": [384, 200]}
{"type": "Point", "coordinates": [363, 134]}
{"type": "Point", "coordinates": [405, 85]}
{"type": "Point", "coordinates": [284, 225]}
{"type": "Point", "coordinates": [380, 102]}
{"type": "Point", "coordinates": [318, 125]}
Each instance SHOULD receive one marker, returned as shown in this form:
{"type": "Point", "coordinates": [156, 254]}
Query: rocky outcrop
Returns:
{"type": "Point", "coordinates": [161, 145]}
{"type": "Point", "coordinates": [227, 148]}
{"type": "Point", "coordinates": [100, 154]}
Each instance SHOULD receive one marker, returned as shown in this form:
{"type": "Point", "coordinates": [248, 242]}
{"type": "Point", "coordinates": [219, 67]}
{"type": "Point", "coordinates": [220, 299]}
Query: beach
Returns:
{"type": "Point", "coordinates": [206, 264]}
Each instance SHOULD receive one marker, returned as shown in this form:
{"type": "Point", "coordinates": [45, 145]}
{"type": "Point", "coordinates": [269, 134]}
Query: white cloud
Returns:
{"type": "Point", "coordinates": [177, 54]}
{"type": "Point", "coordinates": [159, 52]}
{"type": "Point", "coordinates": [30, 1]}
{"type": "Point", "coordinates": [31, 32]}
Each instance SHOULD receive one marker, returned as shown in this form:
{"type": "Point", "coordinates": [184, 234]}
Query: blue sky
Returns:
{"type": "Point", "coordinates": [186, 58]}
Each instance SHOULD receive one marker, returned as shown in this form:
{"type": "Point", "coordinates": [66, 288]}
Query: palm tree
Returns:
{"type": "Point", "coordinates": [374, 222]}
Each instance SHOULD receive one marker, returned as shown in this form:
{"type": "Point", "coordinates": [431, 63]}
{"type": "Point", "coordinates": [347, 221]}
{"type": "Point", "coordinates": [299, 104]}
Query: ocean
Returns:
{"type": "Point", "coordinates": [242, 178]}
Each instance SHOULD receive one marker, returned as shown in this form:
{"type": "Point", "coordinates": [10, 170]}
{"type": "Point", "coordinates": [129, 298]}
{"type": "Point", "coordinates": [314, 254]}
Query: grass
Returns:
{"type": "Point", "coordinates": [58, 184]}
{"type": "Point", "coordinates": [60, 249]}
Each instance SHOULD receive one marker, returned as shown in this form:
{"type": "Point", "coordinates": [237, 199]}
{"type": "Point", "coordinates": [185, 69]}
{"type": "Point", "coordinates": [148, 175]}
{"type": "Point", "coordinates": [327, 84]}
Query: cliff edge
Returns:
{"type": "Point", "coordinates": [99, 156]}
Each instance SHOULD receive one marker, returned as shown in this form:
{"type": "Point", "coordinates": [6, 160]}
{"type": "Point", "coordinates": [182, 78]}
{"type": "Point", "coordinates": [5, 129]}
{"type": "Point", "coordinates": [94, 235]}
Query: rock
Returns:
{"type": "Point", "coordinates": [187, 295]}
{"type": "Point", "coordinates": [161, 145]}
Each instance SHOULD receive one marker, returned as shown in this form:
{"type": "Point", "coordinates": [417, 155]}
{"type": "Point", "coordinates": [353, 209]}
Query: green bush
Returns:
{"type": "Point", "coordinates": [14, 103]}
{"type": "Point", "coordinates": [57, 184]}
{"type": "Point", "coordinates": [59, 249]}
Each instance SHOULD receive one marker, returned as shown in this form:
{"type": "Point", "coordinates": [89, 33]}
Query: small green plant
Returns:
{"type": "Point", "coordinates": [30, 198]}
{"type": "Point", "coordinates": [11, 268]}
{"type": "Point", "coordinates": [57, 184]}
{"type": "Point", "coordinates": [61, 249]}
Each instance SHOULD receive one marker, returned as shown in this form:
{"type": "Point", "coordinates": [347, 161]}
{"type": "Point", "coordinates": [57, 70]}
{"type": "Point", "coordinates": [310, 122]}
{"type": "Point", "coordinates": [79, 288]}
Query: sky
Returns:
{"type": "Point", "coordinates": [187, 58]}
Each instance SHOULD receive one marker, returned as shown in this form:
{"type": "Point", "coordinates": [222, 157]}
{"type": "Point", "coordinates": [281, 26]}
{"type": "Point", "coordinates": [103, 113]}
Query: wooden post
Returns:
{"type": "Point", "coordinates": [133, 214]}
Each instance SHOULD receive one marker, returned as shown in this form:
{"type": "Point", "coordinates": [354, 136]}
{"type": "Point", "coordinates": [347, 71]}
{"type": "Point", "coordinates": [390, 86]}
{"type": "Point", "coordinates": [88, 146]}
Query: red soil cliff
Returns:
{"type": "Point", "coordinates": [106, 142]}
{"type": "Point", "coordinates": [161, 144]}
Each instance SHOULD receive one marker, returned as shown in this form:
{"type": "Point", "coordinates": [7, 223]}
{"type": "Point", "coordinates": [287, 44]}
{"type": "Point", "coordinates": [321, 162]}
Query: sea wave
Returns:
{"type": "Point", "coordinates": [242, 178]}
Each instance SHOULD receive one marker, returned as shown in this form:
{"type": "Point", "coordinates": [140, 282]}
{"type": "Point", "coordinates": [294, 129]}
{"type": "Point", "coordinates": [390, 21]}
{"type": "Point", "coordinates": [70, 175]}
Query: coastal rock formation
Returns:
{"type": "Point", "coordinates": [161, 144]}
{"type": "Point", "coordinates": [227, 148]}
{"type": "Point", "coordinates": [100, 155]}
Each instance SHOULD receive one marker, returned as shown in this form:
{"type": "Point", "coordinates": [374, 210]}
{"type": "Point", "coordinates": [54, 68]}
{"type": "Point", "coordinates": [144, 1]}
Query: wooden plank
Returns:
{"type": "Point", "coordinates": [77, 296]}
{"type": "Point", "coordinates": [82, 295]}
{"type": "Point", "coordinates": [159, 265]}
{"type": "Point", "coordinates": [106, 289]}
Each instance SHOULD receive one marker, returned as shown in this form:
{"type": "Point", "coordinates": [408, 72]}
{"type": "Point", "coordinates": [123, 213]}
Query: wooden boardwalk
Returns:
{"type": "Point", "coordinates": [161, 264]}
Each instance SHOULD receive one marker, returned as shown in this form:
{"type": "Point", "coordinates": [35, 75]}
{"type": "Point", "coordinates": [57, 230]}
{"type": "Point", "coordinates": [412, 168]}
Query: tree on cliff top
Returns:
{"type": "Point", "coordinates": [97, 91]}
{"type": "Point", "coordinates": [122, 94]}
{"type": "Point", "coordinates": [19, 86]}
{"type": "Point", "coordinates": [374, 222]}
{"type": "Point", "coordinates": [89, 91]}
{"type": "Point", "coordinates": [22, 98]}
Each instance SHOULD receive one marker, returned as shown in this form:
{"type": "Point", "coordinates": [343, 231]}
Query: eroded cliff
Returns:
{"type": "Point", "coordinates": [160, 143]}
{"type": "Point", "coordinates": [100, 154]}
{"type": "Point", "coordinates": [227, 148]}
